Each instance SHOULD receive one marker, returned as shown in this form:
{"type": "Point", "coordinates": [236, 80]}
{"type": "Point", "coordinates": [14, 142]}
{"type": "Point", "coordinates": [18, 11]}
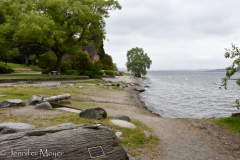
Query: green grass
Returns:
{"type": "Point", "coordinates": [20, 67]}
{"type": "Point", "coordinates": [28, 76]}
{"type": "Point", "coordinates": [231, 123]}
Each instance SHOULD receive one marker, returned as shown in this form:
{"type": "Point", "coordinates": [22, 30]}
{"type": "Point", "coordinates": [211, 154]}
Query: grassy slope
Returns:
{"type": "Point", "coordinates": [20, 67]}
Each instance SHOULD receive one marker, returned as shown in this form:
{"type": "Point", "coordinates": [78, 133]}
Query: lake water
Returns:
{"type": "Point", "coordinates": [189, 94]}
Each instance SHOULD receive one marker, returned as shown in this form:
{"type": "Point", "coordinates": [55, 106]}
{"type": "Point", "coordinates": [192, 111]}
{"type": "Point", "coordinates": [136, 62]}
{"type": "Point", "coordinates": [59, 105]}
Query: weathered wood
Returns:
{"type": "Point", "coordinates": [65, 142]}
{"type": "Point", "coordinates": [57, 98]}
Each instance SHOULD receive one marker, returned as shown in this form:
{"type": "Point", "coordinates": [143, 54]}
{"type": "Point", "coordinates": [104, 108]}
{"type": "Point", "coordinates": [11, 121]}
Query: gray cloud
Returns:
{"type": "Point", "coordinates": [175, 31]}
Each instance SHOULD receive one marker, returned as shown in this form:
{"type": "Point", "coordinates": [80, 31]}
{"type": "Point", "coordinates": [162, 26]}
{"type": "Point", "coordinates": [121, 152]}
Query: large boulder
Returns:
{"type": "Point", "coordinates": [94, 113]}
{"type": "Point", "coordinates": [12, 103]}
{"type": "Point", "coordinates": [43, 105]}
{"type": "Point", "coordinates": [63, 143]}
{"type": "Point", "coordinates": [13, 127]}
{"type": "Point", "coordinates": [34, 99]}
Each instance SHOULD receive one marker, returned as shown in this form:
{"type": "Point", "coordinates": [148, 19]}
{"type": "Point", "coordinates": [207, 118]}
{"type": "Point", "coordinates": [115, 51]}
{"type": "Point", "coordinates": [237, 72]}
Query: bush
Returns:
{"type": "Point", "coordinates": [71, 72]}
{"type": "Point", "coordinates": [109, 72]}
{"type": "Point", "coordinates": [65, 66]}
{"type": "Point", "coordinates": [47, 61]}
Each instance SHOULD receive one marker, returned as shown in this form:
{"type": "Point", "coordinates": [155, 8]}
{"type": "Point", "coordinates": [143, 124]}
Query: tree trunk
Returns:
{"type": "Point", "coordinates": [59, 61]}
{"type": "Point", "coordinates": [62, 142]}
{"type": "Point", "coordinates": [26, 60]}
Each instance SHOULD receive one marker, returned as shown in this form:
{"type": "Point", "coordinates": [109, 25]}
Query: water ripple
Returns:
{"type": "Point", "coordinates": [189, 94]}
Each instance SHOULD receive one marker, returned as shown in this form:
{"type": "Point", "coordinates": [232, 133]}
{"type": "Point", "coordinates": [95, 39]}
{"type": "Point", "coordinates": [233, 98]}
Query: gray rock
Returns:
{"type": "Point", "coordinates": [34, 99]}
{"type": "Point", "coordinates": [147, 134]}
{"type": "Point", "coordinates": [235, 115]}
{"type": "Point", "coordinates": [94, 113]}
{"type": "Point", "coordinates": [14, 127]}
{"type": "Point", "coordinates": [80, 87]}
{"type": "Point", "coordinates": [12, 103]}
{"type": "Point", "coordinates": [118, 134]}
{"type": "Point", "coordinates": [43, 105]}
{"type": "Point", "coordinates": [122, 123]}
{"type": "Point", "coordinates": [121, 117]}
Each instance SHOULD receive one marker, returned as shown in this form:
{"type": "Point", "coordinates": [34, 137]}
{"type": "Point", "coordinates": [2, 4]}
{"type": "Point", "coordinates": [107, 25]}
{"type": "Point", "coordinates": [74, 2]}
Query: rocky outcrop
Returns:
{"type": "Point", "coordinates": [62, 142]}
{"type": "Point", "coordinates": [94, 113]}
{"type": "Point", "coordinates": [235, 115]}
{"type": "Point", "coordinates": [14, 127]}
{"type": "Point", "coordinates": [12, 103]}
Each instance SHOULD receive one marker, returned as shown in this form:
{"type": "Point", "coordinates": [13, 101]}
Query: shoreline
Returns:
{"type": "Point", "coordinates": [129, 79]}
{"type": "Point", "coordinates": [180, 138]}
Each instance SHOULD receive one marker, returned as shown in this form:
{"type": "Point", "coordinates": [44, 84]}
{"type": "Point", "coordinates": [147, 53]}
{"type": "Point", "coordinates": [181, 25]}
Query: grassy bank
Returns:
{"type": "Point", "coordinates": [230, 123]}
{"type": "Point", "coordinates": [19, 67]}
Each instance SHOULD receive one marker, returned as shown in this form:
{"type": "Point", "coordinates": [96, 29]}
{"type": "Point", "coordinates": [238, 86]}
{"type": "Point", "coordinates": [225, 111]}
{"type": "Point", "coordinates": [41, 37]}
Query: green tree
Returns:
{"type": "Point", "coordinates": [233, 53]}
{"type": "Point", "coordinates": [83, 62]}
{"type": "Point", "coordinates": [138, 62]}
{"type": "Point", "coordinates": [107, 62]}
{"type": "Point", "coordinates": [31, 52]}
{"type": "Point", "coordinates": [63, 26]}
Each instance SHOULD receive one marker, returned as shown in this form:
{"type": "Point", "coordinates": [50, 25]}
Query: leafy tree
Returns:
{"type": "Point", "coordinates": [107, 62]}
{"type": "Point", "coordinates": [101, 51]}
{"type": "Point", "coordinates": [138, 61]}
{"type": "Point", "coordinates": [46, 61]}
{"type": "Point", "coordinates": [62, 26]}
{"type": "Point", "coordinates": [83, 62]}
{"type": "Point", "coordinates": [233, 53]}
{"type": "Point", "coordinates": [32, 49]}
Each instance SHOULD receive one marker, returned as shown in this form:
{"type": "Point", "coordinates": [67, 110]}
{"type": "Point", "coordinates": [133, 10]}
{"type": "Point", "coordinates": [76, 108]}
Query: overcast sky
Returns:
{"type": "Point", "coordinates": [176, 34]}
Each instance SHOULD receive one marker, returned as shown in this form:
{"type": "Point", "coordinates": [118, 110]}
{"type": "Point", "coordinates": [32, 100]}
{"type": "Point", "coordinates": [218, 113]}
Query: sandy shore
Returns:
{"type": "Point", "coordinates": [180, 139]}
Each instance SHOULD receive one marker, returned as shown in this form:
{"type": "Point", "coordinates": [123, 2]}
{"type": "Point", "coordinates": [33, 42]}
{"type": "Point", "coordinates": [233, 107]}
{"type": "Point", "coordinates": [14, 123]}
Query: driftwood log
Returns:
{"type": "Point", "coordinates": [57, 98]}
{"type": "Point", "coordinates": [65, 142]}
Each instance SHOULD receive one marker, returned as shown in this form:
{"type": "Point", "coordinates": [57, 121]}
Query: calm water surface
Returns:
{"type": "Point", "coordinates": [190, 94]}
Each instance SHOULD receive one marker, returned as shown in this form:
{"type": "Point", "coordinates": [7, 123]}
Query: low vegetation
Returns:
{"type": "Point", "coordinates": [231, 123]}
{"type": "Point", "coordinates": [13, 67]}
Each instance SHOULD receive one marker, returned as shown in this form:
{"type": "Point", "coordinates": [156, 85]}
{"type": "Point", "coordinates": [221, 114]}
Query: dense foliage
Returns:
{"type": "Point", "coordinates": [107, 62]}
{"type": "Point", "coordinates": [233, 53]}
{"type": "Point", "coordinates": [62, 26]}
{"type": "Point", "coordinates": [138, 62]}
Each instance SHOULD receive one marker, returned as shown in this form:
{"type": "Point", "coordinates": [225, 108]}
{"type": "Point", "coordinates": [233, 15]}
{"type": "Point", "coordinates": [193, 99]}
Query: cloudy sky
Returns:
{"type": "Point", "coordinates": [176, 34]}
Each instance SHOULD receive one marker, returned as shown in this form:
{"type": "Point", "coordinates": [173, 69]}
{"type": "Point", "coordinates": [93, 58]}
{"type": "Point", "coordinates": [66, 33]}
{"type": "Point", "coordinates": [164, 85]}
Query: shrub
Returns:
{"type": "Point", "coordinates": [109, 72]}
{"type": "Point", "coordinates": [47, 61]}
{"type": "Point", "coordinates": [66, 65]}
{"type": "Point", "coordinates": [71, 72]}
